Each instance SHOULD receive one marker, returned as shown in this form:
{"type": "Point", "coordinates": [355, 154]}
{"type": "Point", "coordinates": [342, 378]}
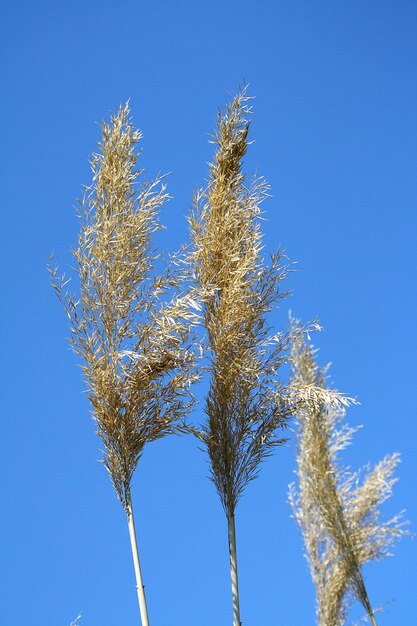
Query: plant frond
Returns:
{"type": "Point", "coordinates": [130, 323]}
{"type": "Point", "coordinates": [245, 405]}
{"type": "Point", "coordinates": [339, 517]}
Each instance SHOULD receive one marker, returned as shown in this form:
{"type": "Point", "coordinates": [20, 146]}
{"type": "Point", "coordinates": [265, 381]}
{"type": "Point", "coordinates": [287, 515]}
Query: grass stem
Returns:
{"type": "Point", "coordinates": [233, 568]}
{"type": "Point", "coordinates": [140, 587]}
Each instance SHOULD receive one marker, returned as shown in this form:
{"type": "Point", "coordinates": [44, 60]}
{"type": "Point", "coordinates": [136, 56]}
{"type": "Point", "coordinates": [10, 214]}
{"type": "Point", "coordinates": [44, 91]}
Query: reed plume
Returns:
{"type": "Point", "coordinates": [128, 323]}
{"type": "Point", "coordinates": [245, 404]}
{"type": "Point", "coordinates": [337, 511]}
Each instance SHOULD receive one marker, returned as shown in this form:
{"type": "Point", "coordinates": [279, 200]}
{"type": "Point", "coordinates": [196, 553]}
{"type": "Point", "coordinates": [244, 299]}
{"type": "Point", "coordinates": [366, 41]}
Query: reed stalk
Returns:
{"type": "Point", "coordinates": [231, 531]}
{"type": "Point", "coordinates": [338, 511]}
{"type": "Point", "coordinates": [246, 404]}
{"type": "Point", "coordinates": [129, 322]}
{"type": "Point", "coordinates": [140, 587]}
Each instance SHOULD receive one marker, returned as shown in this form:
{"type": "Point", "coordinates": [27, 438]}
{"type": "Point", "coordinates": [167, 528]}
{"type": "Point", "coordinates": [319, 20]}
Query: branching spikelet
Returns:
{"type": "Point", "coordinates": [337, 512]}
{"type": "Point", "coordinates": [245, 404]}
{"type": "Point", "coordinates": [132, 334]}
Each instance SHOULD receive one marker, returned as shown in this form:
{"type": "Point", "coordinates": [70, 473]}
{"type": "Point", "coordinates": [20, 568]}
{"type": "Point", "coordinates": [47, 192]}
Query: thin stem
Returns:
{"type": "Point", "coordinates": [233, 568]}
{"type": "Point", "coordinates": [367, 603]}
{"type": "Point", "coordinates": [357, 578]}
{"type": "Point", "coordinates": [140, 587]}
{"type": "Point", "coordinates": [373, 620]}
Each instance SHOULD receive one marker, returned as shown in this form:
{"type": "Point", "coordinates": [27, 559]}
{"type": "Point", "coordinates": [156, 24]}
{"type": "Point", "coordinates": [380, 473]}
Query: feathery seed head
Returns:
{"type": "Point", "coordinates": [245, 404]}
{"type": "Point", "coordinates": [338, 514]}
{"type": "Point", "coordinates": [129, 324]}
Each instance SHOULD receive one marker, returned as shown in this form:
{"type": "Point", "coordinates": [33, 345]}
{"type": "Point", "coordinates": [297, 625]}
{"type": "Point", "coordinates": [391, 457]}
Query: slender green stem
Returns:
{"type": "Point", "coordinates": [233, 568]}
{"type": "Point", "coordinates": [140, 587]}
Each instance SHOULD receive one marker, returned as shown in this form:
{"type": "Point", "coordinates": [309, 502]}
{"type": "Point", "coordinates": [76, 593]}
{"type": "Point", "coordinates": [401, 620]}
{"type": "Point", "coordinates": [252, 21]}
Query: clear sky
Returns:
{"type": "Point", "coordinates": [334, 133]}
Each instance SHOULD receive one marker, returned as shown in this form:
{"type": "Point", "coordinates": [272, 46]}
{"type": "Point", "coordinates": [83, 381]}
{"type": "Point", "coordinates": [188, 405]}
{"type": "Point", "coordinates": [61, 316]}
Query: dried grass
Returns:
{"type": "Point", "coordinates": [338, 511]}
{"type": "Point", "coordinates": [245, 404]}
{"type": "Point", "coordinates": [132, 334]}
{"type": "Point", "coordinates": [130, 325]}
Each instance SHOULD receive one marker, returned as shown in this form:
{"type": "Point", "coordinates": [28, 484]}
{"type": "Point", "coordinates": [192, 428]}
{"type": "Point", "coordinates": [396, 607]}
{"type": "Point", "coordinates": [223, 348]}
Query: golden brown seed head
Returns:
{"type": "Point", "coordinates": [339, 514]}
{"type": "Point", "coordinates": [245, 404]}
{"type": "Point", "coordinates": [129, 324]}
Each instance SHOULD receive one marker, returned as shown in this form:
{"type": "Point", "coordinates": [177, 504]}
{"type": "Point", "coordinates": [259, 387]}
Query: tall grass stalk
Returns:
{"type": "Point", "coordinates": [129, 324]}
{"type": "Point", "coordinates": [338, 511]}
{"type": "Point", "coordinates": [231, 531]}
{"type": "Point", "coordinates": [245, 405]}
{"type": "Point", "coordinates": [140, 587]}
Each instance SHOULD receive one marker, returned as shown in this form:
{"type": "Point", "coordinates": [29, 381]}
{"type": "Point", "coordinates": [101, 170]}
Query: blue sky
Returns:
{"type": "Point", "coordinates": [334, 133]}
